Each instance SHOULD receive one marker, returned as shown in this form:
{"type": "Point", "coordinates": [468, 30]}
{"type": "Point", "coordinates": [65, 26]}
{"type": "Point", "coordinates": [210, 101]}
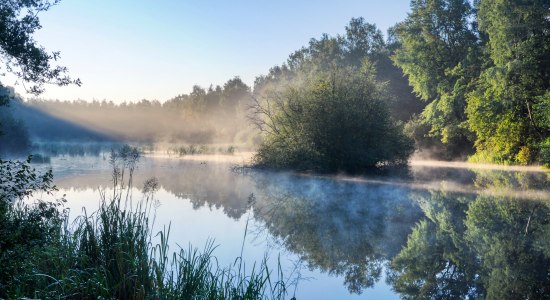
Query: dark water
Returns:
{"type": "Point", "coordinates": [426, 233]}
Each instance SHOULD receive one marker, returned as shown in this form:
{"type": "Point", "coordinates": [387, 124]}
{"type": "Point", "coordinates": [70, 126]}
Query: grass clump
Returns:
{"type": "Point", "coordinates": [112, 253]}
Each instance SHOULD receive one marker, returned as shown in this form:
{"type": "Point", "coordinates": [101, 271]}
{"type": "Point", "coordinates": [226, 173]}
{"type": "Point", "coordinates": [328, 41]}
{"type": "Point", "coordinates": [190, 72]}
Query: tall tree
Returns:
{"type": "Point", "coordinates": [235, 93]}
{"type": "Point", "coordinates": [510, 107]}
{"type": "Point", "coordinates": [438, 51]}
{"type": "Point", "coordinates": [361, 41]}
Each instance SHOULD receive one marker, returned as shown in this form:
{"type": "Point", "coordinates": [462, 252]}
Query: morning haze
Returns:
{"type": "Point", "coordinates": [251, 150]}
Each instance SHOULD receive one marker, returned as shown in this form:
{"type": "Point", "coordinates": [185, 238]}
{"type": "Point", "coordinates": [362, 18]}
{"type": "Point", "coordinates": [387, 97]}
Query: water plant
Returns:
{"type": "Point", "coordinates": [113, 252]}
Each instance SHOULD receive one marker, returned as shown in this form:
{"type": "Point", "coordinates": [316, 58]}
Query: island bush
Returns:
{"type": "Point", "coordinates": [329, 121]}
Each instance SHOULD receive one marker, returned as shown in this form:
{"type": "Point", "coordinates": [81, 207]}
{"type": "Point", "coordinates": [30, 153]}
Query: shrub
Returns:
{"type": "Point", "coordinates": [329, 122]}
{"type": "Point", "coordinates": [544, 153]}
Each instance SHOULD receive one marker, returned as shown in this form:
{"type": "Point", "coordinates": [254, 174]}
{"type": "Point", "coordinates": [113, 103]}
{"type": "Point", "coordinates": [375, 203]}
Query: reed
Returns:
{"type": "Point", "coordinates": [113, 253]}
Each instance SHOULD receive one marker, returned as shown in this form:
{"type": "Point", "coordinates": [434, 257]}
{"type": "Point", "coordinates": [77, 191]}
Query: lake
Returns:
{"type": "Point", "coordinates": [432, 231]}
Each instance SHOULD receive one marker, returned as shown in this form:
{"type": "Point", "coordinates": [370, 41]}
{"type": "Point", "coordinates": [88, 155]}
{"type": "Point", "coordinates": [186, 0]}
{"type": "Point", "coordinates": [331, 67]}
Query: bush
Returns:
{"type": "Point", "coordinates": [544, 153]}
{"type": "Point", "coordinates": [26, 230]}
{"type": "Point", "coordinates": [329, 122]}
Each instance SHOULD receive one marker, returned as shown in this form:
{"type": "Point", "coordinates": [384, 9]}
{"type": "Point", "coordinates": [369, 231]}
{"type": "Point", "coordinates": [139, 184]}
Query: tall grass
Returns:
{"type": "Point", "coordinates": [113, 253]}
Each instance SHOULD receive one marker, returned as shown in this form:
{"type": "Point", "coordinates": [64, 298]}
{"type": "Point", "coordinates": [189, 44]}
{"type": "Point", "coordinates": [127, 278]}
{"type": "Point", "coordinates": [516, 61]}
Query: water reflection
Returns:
{"type": "Point", "coordinates": [476, 247]}
{"type": "Point", "coordinates": [343, 228]}
{"type": "Point", "coordinates": [437, 233]}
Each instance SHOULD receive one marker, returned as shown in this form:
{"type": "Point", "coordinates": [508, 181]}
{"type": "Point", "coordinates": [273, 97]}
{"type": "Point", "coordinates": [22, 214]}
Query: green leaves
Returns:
{"type": "Point", "coordinates": [18, 50]}
{"type": "Point", "coordinates": [508, 111]}
{"type": "Point", "coordinates": [330, 121]}
{"type": "Point", "coordinates": [484, 86]}
{"type": "Point", "coordinates": [439, 52]}
{"type": "Point", "coordinates": [20, 180]}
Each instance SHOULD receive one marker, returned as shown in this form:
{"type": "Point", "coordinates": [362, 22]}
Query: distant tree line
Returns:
{"type": "Point", "coordinates": [202, 116]}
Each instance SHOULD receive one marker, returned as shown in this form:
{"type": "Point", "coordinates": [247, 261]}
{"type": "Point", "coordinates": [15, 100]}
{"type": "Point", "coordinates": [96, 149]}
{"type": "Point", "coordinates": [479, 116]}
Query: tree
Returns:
{"type": "Point", "coordinates": [19, 52]}
{"type": "Point", "coordinates": [235, 93]}
{"type": "Point", "coordinates": [14, 136]}
{"type": "Point", "coordinates": [435, 263]}
{"type": "Point", "coordinates": [362, 40]}
{"type": "Point", "coordinates": [509, 109]}
{"type": "Point", "coordinates": [438, 49]}
{"type": "Point", "coordinates": [329, 121]}
{"type": "Point", "coordinates": [20, 55]}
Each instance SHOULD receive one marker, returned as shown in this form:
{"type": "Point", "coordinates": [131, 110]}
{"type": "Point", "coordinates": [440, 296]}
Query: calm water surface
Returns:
{"type": "Point", "coordinates": [431, 232]}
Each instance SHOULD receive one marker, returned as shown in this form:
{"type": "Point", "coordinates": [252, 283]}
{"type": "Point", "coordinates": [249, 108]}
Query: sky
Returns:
{"type": "Point", "coordinates": [128, 50]}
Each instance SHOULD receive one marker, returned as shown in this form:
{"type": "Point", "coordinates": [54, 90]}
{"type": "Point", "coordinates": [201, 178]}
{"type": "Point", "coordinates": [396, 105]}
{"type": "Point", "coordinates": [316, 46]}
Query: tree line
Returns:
{"type": "Point", "coordinates": [462, 79]}
{"type": "Point", "coordinates": [212, 115]}
{"type": "Point", "coordinates": [481, 70]}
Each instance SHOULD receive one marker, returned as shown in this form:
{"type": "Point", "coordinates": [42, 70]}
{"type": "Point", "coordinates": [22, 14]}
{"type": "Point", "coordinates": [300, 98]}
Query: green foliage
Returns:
{"type": "Point", "coordinates": [20, 180]}
{"type": "Point", "coordinates": [362, 40]}
{"type": "Point", "coordinates": [437, 49]}
{"type": "Point", "coordinates": [508, 110]}
{"type": "Point", "coordinates": [25, 230]}
{"type": "Point", "coordinates": [112, 253]}
{"type": "Point", "coordinates": [485, 84]}
{"type": "Point", "coordinates": [500, 132]}
{"type": "Point", "coordinates": [330, 121]}
{"type": "Point", "coordinates": [19, 52]}
{"type": "Point", "coordinates": [544, 153]}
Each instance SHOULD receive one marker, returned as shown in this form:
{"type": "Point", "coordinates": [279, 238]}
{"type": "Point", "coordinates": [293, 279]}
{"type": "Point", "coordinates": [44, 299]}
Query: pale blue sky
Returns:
{"type": "Point", "coordinates": [131, 50]}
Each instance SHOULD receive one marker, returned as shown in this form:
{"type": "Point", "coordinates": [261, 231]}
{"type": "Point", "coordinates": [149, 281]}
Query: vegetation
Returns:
{"type": "Point", "coordinates": [469, 79]}
{"type": "Point", "coordinates": [216, 114]}
{"type": "Point", "coordinates": [14, 136]}
{"type": "Point", "coordinates": [202, 149]}
{"type": "Point", "coordinates": [111, 253]}
{"type": "Point", "coordinates": [19, 52]}
{"type": "Point", "coordinates": [327, 110]}
{"type": "Point", "coordinates": [329, 121]}
{"type": "Point", "coordinates": [484, 71]}
{"type": "Point", "coordinates": [362, 40]}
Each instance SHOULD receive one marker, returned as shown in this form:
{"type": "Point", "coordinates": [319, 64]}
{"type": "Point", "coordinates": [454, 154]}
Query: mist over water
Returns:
{"type": "Point", "coordinates": [375, 236]}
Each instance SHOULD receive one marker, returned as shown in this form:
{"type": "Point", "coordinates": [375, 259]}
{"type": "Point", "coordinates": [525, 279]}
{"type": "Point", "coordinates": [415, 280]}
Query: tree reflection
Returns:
{"type": "Point", "coordinates": [511, 239]}
{"type": "Point", "coordinates": [435, 262]}
{"type": "Point", "coordinates": [342, 228]}
{"type": "Point", "coordinates": [492, 241]}
{"type": "Point", "coordinates": [476, 247]}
